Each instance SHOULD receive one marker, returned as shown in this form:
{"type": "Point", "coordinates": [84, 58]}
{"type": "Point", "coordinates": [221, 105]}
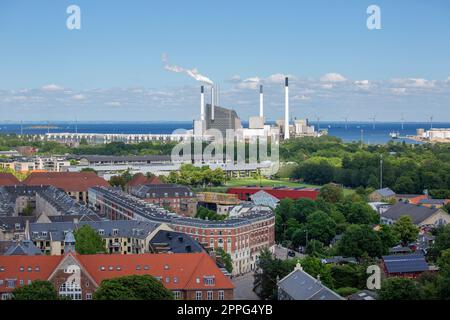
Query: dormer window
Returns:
{"type": "Point", "coordinates": [17, 226]}
{"type": "Point", "coordinates": [44, 233]}
{"type": "Point", "coordinates": [209, 280]}
{"type": "Point", "coordinates": [115, 232]}
{"type": "Point", "coordinates": [101, 232]}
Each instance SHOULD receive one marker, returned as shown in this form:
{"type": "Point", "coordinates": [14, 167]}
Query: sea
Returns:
{"type": "Point", "coordinates": [370, 133]}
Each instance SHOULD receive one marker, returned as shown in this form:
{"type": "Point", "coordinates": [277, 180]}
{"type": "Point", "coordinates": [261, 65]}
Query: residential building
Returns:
{"type": "Point", "coordinates": [75, 184]}
{"type": "Point", "coordinates": [179, 199]}
{"type": "Point", "coordinates": [245, 193]}
{"type": "Point", "coordinates": [168, 241]}
{"type": "Point", "coordinates": [420, 215]}
{"type": "Point", "coordinates": [299, 285]}
{"type": "Point", "coordinates": [19, 248]}
{"type": "Point", "coordinates": [140, 179]}
{"type": "Point", "coordinates": [14, 228]}
{"type": "Point", "coordinates": [243, 237]}
{"type": "Point", "coordinates": [119, 236]}
{"type": "Point", "coordinates": [405, 265]}
{"type": "Point", "coordinates": [434, 203]}
{"type": "Point", "coordinates": [262, 198]}
{"type": "Point", "coordinates": [190, 276]}
{"type": "Point", "coordinates": [410, 198]}
{"type": "Point", "coordinates": [384, 194]}
{"type": "Point", "coordinates": [221, 203]}
{"type": "Point", "coordinates": [8, 179]}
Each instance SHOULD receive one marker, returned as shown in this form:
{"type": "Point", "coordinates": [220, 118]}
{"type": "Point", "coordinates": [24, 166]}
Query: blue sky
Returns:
{"type": "Point", "coordinates": [111, 69]}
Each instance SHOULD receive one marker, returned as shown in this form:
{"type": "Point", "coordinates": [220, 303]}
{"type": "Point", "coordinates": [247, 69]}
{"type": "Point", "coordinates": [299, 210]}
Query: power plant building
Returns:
{"type": "Point", "coordinates": [223, 119]}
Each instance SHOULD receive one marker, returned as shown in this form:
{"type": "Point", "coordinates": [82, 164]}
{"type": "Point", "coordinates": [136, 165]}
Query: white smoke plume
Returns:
{"type": "Point", "coordinates": [193, 73]}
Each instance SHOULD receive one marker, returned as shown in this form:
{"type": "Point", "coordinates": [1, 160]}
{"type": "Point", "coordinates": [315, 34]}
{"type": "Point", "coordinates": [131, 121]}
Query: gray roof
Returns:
{"type": "Point", "coordinates": [175, 242]}
{"type": "Point", "coordinates": [62, 202]}
{"type": "Point", "coordinates": [416, 212]}
{"type": "Point", "coordinates": [125, 228]}
{"type": "Point", "coordinates": [161, 190]}
{"type": "Point", "coordinates": [22, 248]}
{"type": "Point", "coordinates": [72, 217]}
{"type": "Point", "coordinates": [385, 192]}
{"type": "Point", "coordinates": [338, 259]}
{"type": "Point", "coordinates": [299, 285]}
{"type": "Point", "coordinates": [433, 201]}
{"type": "Point", "coordinates": [15, 223]}
{"type": "Point", "coordinates": [145, 158]}
{"type": "Point", "coordinates": [151, 212]}
{"type": "Point", "coordinates": [405, 263]}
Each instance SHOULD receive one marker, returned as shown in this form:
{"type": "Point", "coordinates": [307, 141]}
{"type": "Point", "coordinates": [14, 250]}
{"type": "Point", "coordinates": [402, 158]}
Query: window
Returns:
{"type": "Point", "coordinates": [10, 283]}
{"type": "Point", "coordinates": [209, 280]}
{"type": "Point", "coordinates": [221, 295]}
{"type": "Point", "coordinates": [21, 269]}
{"type": "Point", "coordinates": [115, 232]}
{"type": "Point", "coordinates": [146, 267]}
{"type": "Point", "coordinates": [71, 290]}
{"type": "Point", "coordinates": [177, 295]}
{"type": "Point", "coordinates": [88, 296]}
{"type": "Point", "coordinates": [37, 269]}
{"type": "Point", "coordinates": [209, 295]}
{"type": "Point", "coordinates": [198, 295]}
{"type": "Point", "coordinates": [21, 282]}
{"type": "Point", "coordinates": [138, 267]}
{"type": "Point", "coordinates": [101, 232]}
{"type": "Point", "coordinates": [167, 279]}
{"type": "Point", "coordinates": [175, 279]}
{"type": "Point", "coordinates": [30, 269]}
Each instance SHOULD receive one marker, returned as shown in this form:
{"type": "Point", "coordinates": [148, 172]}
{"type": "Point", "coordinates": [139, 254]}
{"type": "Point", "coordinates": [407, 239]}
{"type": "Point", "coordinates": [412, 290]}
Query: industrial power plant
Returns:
{"type": "Point", "coordinates": [214, 116]}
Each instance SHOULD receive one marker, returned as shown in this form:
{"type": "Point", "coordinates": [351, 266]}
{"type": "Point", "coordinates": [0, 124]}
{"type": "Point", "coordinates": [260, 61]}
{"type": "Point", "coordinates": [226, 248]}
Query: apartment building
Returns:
{"type": "Point", "coordinates": [243, 237]}
{"type": "Point", "coordinates": [190, 276]}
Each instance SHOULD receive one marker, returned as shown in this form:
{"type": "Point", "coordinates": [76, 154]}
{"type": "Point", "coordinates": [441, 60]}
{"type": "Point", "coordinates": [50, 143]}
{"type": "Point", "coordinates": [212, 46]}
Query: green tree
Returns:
{"type": "Point", "coordinates": [331, 193]}
{"type": "Point", "coordinates": [399, 289]}
{"type": "Point", "coordinates": [314, 267]}
{"type": "Point", "coordinates": [28, 210]}
{"type": "Point", "coordinates": [321, 226]}
{"type": "Point", "coordinates": [405, 230]}
{"type": "Point", "coordinates": [388, 237]}
{"type": "Point", "coordinates": [88, 241]}
{"type": "Point", "coordinates": [135, 287]}
{"type": "Point", "coordinates": [37, 290]}
{"type": "Point", "coordinates": [444, 259]}
{"type": "Point", "coordinates": [226, 259]}
{"type": "Point", "coordinates": [360, 240]}
{"type": "Point", "coordinates": [349, 275]}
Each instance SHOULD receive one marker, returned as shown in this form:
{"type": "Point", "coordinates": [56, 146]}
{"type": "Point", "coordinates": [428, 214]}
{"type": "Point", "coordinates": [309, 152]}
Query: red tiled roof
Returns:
{"type": "Point", "coordinates": [68, 181]}
{"type": "Point", "coordinates": [279, 193]}
{"type": "Point", "coordinates": [137, 180]}
{"type": "Point", "coordinates": [140, 179]}
{"type": "Point", "coordinates": [187, 267]}
{"type": "Point", "coordinates": [8, 179]}
{"type": "Point", "coordinates": [41, 268]}
{"type": "Point", "coordinates": [154, 180]}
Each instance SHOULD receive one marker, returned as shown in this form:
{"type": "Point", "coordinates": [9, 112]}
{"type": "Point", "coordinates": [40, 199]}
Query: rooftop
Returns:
{"type": "Point", "coordinates": [405, 263]}
{"type": "Point", "coordinates": [417, 213]}
{"type": "Point", "coordinates": [67, 181]}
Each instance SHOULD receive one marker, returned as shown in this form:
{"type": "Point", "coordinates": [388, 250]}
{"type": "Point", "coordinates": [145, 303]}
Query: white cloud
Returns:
{"type": "Point", "coordinates": [363, 84]}
{"type": "Point", "coordinates": [78, 97]}
{"type": "Point", "coordinates": [415, 82]}
{"type": "Point", "coordinates": [114, 104]}
{"type": "Point", "coordinates": [398, 91]}
{"type": "Point", "coordinates": [332, 77]}
{"type": "Point", "coordinates": [327, 86]}
{"type": "Point", "coordinates": [250, 83]}
{"type": "Point", "coordinates": [277, 78]}
{"type": "Point", "coordinates": [52, 87]}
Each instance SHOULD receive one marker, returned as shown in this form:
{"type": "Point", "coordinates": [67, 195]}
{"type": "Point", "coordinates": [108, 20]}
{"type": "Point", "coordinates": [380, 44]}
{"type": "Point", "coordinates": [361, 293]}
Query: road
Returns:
{"type": "Point", "coordinates": [244, 287]}
{"type": "Point", "coordinates": [281, 253]}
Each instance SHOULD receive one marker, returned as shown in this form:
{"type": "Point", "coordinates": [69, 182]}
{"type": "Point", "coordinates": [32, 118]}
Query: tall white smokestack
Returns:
{"type": "Point", "coordinates": [202, 103]}
{"type": "Point", "coordinates": [261, 101]}
{"type": "Point", "coordinates": [286, 109]}
{"type": "Point", "coordinates": [212, 102]}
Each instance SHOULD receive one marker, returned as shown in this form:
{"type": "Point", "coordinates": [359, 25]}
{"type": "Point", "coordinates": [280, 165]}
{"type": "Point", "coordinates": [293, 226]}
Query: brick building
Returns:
{"type": "Point", "coordinates": [190, 276]}
{"type": "Point", "coordinates": [180, 199]}
{"type": "Point", "coordinates": [75, 184]}
{"type": "Point", "coordinates": [243, 236]}
{"type": "Point", "coordinates": [245, 193]}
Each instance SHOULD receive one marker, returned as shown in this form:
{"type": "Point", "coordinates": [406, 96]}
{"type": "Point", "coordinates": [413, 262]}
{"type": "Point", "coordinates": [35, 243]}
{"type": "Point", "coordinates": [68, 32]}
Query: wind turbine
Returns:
{"type": "Point", "coordinates": [346, 122]}
{"type": "Point", "coordinates": [373, 121]}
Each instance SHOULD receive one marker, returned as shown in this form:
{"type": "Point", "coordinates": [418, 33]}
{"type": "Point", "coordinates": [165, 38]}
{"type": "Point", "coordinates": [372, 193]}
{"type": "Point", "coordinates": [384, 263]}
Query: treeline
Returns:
{"type": "Point", "coordinates": [407, 168]}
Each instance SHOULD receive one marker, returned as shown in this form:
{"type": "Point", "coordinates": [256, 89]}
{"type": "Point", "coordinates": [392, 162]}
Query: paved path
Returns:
{"type": "Point", "coordinates": [281, 253]}
{"type": "Point", "coordinates": [244, 287]}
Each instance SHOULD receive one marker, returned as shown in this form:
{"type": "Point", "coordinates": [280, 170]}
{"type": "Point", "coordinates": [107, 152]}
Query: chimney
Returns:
{"type": "Point", "coordinates": [286, 109]}
{"type": "Point", "coordinates": [212, 103]}
{"type": "Point", "coordinates": [261, 101]}
{"type": "Point", "coordinates": [202, 103]}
